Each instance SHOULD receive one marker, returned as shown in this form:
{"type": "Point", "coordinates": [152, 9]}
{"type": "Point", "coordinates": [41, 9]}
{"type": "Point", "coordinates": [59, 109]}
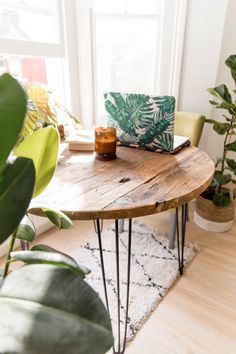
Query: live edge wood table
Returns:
{"type": "Point", "coordinates": [137, 183]}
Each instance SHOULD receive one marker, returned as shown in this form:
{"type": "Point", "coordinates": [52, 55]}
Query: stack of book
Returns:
{"type": "Point", "coordinates": [82, 140]}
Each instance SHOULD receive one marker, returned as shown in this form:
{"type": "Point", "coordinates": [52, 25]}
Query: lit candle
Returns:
{"type": "Point", "coordinates": [105, 143]}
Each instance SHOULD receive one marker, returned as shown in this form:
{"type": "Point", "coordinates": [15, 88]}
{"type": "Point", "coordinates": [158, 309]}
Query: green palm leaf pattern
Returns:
{"type": "Point", "coordinates": [142, 120]}
{"type": "Point", "coordinates": [163, 142]}
{"type": "Point", "coordinates": [127, 139]}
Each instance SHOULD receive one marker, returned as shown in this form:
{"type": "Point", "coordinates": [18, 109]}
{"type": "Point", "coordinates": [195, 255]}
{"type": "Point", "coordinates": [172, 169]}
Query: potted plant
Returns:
{"type": "Point", "coordinates": [45, 307]}
{"type": "Point", "coordinates": [215, 208]}
{"type": "Point", "coordinates": [43, 110]}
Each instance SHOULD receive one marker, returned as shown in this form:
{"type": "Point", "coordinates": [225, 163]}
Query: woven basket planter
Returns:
{"type": "Point", "coordinates": [212, 218]}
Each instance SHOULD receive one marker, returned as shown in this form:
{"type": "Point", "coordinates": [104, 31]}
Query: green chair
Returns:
{"type": "Point", "coordinates": [191, 125]}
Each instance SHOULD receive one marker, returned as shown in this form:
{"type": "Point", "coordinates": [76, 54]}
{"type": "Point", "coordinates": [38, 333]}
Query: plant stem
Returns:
{"type": "Point", "coordinates": [10, 248]}
{"type": "Point", "coordinates": [225, 151]}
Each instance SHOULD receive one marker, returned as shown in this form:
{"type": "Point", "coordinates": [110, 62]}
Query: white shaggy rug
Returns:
{"type": "Point", "coordinates": [154, 269]}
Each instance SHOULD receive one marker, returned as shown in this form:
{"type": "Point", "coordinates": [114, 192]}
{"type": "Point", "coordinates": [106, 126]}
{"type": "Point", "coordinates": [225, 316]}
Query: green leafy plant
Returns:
{"type": "Point", "coordinates": [42, 110]}
{"type": "Point", "coordinates": [225, 167]}
{"type": "Point", "coordinates": [44, 307]}
{"type": "Point", "coordinates": [41, 146]}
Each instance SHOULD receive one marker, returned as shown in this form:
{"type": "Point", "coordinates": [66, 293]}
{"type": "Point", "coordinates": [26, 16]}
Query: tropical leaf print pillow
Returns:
{"type": "Point", "coordinates": [141, 120]}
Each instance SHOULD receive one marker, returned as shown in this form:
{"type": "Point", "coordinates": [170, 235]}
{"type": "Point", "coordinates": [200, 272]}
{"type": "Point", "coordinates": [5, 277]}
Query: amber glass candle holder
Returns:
{"type": "Point", "coordinates": [105, 143]}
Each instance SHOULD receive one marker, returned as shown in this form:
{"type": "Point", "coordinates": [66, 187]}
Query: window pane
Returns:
{"type": "Point", "coordinates": [127, 6]}
{"type": "Point", "coordinates": [42, 71]}
{"type": "Point", "coordinates": [126, 58]}
{"type": "Point", "coordinates": [32, 20]}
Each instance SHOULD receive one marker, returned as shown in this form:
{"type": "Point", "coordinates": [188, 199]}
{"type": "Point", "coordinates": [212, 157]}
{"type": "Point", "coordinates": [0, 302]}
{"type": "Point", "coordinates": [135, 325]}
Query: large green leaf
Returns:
{"type": "Point", "coordinates": [231, 165]}
{"type": "Point", "coordinates": [219, 127]}
{"type": "Point", "coordinates": [16, 188]}
{"type": "Point", "coordinates": [221, 92]}
{"type": "Point", "coordinates": [45, 248]}
{"type": "Point", "coordinates": [54, 258]}
{"type": "Point", "coordinates": [221, 178]}
{"type": "Point", "coordinates": [44, 309]}
{"type": "Point", "coordinates": [231, 146]}
{"type": "Point", "coordinates": [26, 230]}
{"type": "Point", "coordinates": [231, 63]}
{"type": "Point", "coordinates": [42, 147]}
{"type": "Point", "coordinates": [57, 217]}
{"type": "Point", "coordinates": [12, 113]}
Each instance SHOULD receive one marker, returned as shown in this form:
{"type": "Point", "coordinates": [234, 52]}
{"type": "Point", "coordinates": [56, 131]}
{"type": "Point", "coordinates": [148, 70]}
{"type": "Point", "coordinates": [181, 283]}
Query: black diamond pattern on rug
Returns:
{"type": "Point", "coordinates": [154, 269]}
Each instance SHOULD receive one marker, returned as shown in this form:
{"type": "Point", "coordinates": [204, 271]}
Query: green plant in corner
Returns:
{"type": "Point", "coordinates": [44, 308]}
{"type": "Point", "coordinates": [225, 167]}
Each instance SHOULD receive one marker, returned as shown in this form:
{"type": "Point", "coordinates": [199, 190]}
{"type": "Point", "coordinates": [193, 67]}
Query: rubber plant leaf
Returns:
{"type": "Point", "coordinates": [45, 309]}
{"type": "Point", "coordinates": [58, 218]}
{"type": "Point", "coordinates": [12, 114]}
{"type": "Point", "coordinates": [16, 189]}
{"type": "Point", "coordinates": [54, 258]}
{"type": "Point", "coordinates": [46, 248]}
{"type": "Point", "coordinates": [26, 230]}
{"type": "Point", "coordinates": [42, 147]}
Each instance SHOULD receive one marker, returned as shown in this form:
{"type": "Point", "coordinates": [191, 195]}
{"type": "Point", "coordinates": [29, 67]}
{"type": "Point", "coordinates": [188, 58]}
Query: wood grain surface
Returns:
{"type": "Point", "coordinates": [137, 183]}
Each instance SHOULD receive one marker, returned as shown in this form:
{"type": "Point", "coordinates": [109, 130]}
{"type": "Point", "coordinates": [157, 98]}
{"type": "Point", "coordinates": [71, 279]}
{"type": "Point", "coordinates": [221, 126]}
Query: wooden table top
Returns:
{"type": "Point", "coordinates": [137, 183]}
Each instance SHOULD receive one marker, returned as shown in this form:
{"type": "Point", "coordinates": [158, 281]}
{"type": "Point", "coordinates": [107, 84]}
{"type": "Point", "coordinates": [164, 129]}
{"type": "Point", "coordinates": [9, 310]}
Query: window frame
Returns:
{"type": "Point", "coordinates": [63, 50]}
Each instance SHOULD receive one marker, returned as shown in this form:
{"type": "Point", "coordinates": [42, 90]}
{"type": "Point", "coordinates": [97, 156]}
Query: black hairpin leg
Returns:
{"type": "Point", "coordinates": [95, 226]}
{"type": "Point", "coordinates": [118, 348]}
{"type": "Point", "coordinates": [183, 231]}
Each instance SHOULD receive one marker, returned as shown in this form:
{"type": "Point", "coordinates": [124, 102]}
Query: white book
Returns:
{"type": "Point", "coordinates": [82, 140]}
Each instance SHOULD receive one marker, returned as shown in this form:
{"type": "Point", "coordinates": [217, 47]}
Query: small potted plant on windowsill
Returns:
{"type": "Point", "coordinates": [215, 208]}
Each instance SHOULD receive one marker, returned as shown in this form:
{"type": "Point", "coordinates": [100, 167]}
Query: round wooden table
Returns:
{"type": "Point", "coordinates": [137, 183]}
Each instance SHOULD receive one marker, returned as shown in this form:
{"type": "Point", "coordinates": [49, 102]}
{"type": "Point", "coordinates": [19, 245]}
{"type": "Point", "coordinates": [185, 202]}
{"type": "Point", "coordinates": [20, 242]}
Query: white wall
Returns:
{"type": "Point", "coordinates": [210, 34]}
{"type": "Point", "coordinates": [212, 142]}
{"type": "Point", "coordinates": [204, 32]}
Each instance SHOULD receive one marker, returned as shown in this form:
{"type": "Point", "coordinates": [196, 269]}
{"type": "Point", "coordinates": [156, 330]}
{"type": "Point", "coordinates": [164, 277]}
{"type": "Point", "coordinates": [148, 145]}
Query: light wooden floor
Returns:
{"type": "Point", "coordinates": [198, 315]}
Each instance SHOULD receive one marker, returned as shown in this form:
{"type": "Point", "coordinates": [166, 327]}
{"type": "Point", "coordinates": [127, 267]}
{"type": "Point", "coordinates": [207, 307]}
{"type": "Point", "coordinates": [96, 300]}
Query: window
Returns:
{"type": "Point", "coordinates": [20, 20]}
{"type": "Point", "coordinates": [81, 49]}
{"type": "Point", "coordinates": [29, 50]}
{"type": "Point", "coordinates": [34, 44]}
{"type": "Point", "coordinates": [134, 46]}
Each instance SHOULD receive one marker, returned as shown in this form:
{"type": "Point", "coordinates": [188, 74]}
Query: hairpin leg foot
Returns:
{"type": "Point", "coordinates": [181, 230]}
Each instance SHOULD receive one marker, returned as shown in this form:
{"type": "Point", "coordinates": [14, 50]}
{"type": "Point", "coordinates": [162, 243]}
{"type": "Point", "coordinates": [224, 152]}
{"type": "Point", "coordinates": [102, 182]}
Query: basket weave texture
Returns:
{"type": "Point", "coordinates": [207, 210]}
